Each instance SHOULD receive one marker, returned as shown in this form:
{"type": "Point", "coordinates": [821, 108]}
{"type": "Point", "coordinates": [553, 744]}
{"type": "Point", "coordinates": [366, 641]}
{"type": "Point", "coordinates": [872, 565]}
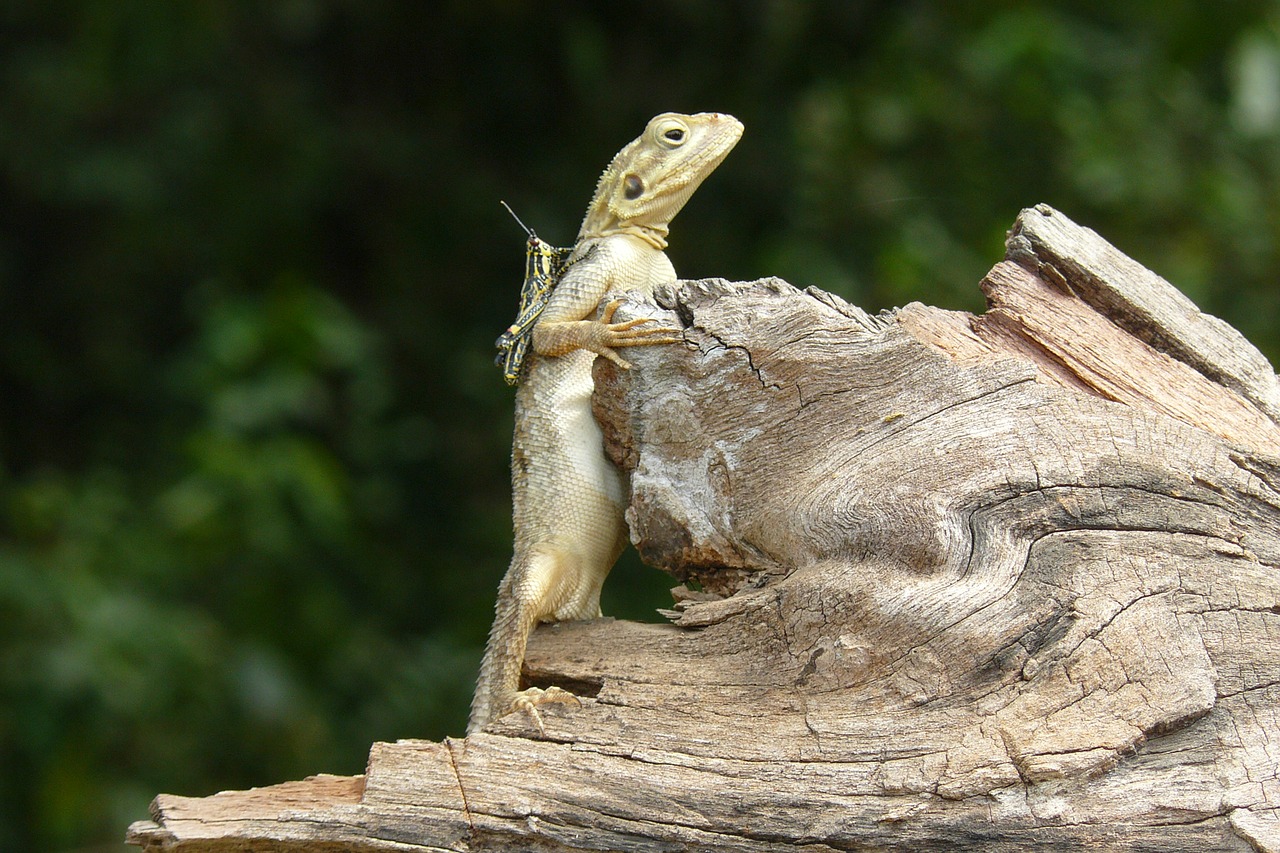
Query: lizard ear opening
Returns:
{"type": "Point", "coordinates": [632, 187]}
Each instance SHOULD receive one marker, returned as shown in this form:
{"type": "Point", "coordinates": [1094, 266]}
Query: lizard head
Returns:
{"type": "Point", "coordinates": [650, 180]}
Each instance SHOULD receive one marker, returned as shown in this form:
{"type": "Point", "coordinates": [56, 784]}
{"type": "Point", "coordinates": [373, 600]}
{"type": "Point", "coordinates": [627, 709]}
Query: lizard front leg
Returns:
{"type": "Point", "coordinates": [552, 338]}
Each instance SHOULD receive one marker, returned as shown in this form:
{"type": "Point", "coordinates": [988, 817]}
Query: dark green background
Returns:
{"type": "Point", "coordinates": [253, 487]}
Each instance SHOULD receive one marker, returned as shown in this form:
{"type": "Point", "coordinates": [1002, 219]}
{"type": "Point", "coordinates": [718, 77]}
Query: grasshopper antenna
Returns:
{"type": "Point", "coordinates": [526, 228]}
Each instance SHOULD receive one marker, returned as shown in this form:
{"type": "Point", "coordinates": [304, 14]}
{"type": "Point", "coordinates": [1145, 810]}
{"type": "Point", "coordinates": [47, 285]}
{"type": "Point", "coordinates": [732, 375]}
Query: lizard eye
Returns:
{"type": "Point", "coordinates": [632, 187]}
{"type": "Point", "coordinates": [672, 133]}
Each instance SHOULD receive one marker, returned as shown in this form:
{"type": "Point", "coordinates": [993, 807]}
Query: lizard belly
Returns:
{"type": "Point", "coordinates": [568, 496]}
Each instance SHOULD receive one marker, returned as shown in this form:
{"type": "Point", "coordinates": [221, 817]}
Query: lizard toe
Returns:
{"type": "Point", "coordinates": [529, 700]}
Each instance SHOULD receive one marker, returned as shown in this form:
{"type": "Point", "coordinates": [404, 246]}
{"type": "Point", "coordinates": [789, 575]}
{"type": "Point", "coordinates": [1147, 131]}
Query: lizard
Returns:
{"type": "Point", "coordinates": [568, 497]}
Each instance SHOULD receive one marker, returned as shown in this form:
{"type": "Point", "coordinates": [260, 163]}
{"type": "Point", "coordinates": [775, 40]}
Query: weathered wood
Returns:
{"type": "Point", "coordinates": [1005, 582]}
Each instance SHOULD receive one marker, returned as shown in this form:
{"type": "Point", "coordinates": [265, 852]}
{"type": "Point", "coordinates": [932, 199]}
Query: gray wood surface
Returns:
{"type": "Point", "coordinates": [1006, 582]}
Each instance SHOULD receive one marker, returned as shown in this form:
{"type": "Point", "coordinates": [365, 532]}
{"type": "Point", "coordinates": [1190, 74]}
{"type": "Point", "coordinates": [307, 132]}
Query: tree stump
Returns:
{"type": "Point", "coordinates": [1005, 582]}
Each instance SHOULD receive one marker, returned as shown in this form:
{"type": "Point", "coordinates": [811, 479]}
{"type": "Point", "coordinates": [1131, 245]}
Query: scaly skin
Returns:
{"type": "Point", "coordinates": [569, 498]}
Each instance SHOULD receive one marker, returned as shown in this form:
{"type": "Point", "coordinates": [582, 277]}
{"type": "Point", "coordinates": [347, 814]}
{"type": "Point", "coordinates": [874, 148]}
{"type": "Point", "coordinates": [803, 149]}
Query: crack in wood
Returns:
{"type": "Point", "coordinates": [462, 789]}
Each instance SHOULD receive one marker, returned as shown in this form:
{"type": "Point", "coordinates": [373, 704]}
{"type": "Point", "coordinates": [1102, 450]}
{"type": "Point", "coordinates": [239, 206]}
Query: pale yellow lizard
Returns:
{"type": "Point", "coordinates": [569, 498]}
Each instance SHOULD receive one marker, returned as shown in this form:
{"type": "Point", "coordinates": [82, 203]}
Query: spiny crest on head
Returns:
{"type": "Point", "coordinates": [622, 162]}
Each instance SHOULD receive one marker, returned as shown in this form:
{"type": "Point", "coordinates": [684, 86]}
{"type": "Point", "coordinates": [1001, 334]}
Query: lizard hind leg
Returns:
{"type": "Point", "coordinates": [528, 595]}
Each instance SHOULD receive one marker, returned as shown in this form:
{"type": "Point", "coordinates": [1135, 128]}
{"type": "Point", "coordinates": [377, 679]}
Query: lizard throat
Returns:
{"type": "Point", "coordinates": [655, 237]}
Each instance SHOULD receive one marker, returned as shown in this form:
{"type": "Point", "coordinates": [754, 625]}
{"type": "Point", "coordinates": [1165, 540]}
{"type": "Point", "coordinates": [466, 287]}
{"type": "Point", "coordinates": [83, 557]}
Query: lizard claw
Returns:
{"type": "Point", "coordinates": [630, 334]}
{"type": "Point", "coordinates": [529, 700]}
{"type": "Point", "coordinates": [615, 358]}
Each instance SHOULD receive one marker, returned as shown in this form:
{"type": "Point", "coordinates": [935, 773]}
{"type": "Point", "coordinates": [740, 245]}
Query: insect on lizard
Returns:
{"type": "Point", "coordinates": [568, 497]}
{"type": "Point", "coordinates": [544, 266]}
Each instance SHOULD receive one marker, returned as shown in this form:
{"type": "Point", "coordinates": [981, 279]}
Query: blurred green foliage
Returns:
{"type": "Point", "coordinates": [253, 485]}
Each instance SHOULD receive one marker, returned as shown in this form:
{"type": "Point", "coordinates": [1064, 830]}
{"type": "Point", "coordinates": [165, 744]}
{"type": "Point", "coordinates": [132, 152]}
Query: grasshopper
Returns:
{"type": "Point", "coordinates": [544, 266]}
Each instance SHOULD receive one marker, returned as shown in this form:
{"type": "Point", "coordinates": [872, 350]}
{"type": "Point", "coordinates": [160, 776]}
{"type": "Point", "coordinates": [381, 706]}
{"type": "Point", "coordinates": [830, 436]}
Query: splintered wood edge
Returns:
{"type": "Point", "coordinates": [1140, 301]}
{"type": "Point", "coordinates": [230, 819]}
{"type": "Point", "coordinates": [1094, 321]}
{"type": "Point", "coordinates": [1071, 342]}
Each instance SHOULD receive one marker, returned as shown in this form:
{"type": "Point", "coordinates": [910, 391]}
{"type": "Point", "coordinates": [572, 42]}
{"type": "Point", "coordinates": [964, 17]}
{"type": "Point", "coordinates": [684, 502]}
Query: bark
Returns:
{"type": "Point", "coordinates": [1005, 582]}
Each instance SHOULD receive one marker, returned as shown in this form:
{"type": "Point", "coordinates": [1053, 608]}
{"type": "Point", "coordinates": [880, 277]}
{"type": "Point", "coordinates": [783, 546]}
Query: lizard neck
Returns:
{"type": "Point", "coordinates": [653, 235]}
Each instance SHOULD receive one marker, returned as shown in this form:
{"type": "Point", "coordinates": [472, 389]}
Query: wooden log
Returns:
{"type": "Point", "coordinates": [1005, 582]}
